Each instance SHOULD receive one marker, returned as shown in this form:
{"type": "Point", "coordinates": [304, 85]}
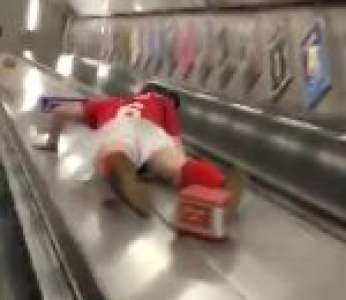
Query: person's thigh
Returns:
{"type": "Point", "coordinates": [114, 138]}
{"type": "Point", "coordinates": [167, 162]}
{"type": "Point", "coordinates": [158, 150]}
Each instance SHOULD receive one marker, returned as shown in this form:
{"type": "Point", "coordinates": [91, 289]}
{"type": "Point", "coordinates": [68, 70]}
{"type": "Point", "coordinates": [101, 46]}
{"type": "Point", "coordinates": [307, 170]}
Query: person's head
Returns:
{"type": "Point", "coordinates": [162, 90]}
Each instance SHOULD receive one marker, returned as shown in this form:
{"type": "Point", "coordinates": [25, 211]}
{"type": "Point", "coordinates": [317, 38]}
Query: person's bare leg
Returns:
{"type": "Point", "coordinates": [61, 116]}
{"type": "Point", "coordinates": [123, 178]}
{"type": "Point", "coordinates": [167, 163]}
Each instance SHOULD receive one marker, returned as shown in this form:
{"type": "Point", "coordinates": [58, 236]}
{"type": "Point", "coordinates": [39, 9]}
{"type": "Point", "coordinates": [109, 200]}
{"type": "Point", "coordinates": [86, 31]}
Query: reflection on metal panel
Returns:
{"type": "Point", "coordinates": [109, 7]}
{"type": "Point", "coordinates": [64, 65]}
{"type": "Point", "coordinates": [32, 89]}
{"type": "Point", "coordinates": [103, 71]}
{"type": "Point", "coordinates": [33, 15]}
{"type": "Point", "coordinates": [28, 54]}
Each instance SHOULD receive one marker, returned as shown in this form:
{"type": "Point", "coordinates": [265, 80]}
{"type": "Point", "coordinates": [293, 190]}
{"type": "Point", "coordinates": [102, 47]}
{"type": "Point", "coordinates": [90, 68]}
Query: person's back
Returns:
{"type": "Point", "coordinates": [151, 106]}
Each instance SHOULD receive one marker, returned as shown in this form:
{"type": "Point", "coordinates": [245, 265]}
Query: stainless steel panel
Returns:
{"type": "Point", "coordinates": [17, 279]}
{"type": "Point", "coordinates": [237, 3]}
{"type": "Point", "coordinates": [272, 254]}
{"type": "Point", "coordinates": [109, 7]}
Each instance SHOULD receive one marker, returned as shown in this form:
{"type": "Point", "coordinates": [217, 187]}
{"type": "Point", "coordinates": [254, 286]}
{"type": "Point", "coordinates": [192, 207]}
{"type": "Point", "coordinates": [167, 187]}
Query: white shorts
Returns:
{"type": "Point", "coordinates": [79, 147]}
{"type": "Point", "coordinates": [138, 138]}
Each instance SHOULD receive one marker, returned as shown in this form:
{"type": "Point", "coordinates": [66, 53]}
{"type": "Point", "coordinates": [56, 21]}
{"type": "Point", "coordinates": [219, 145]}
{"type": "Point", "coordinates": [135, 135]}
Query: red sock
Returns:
{"type": "Point", "coordinates": [200, 172]}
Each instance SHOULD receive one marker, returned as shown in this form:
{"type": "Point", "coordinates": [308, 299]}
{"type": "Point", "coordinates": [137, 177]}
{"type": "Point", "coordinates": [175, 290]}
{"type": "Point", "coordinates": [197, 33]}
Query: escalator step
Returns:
{"type": "Point", "coordinates": [17, 279]}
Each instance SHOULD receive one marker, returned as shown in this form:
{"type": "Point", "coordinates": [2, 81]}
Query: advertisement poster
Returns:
{"type": "Point", "coordinates": [158, 45]}
{"type": "Point", "coordinates": [168, 48]}
{"type": "Point", "coordinates": [224, 63]}
{"type": "Point", "coordinates": [280, 75]}
{"type": "Point", "coordinates": [222, 50]}
{"type": "Point", "coordinates": [252, 69]}
{"type": "Point", "coordinates": [253, 64]}
{"type": "Point", "coordinates": [105, 41]}
{"type": "Point", "coordinates": [124, 43]}
{"type": "Point", "coordinates": [185, 51]}
{"type": "Point", "coordinates": [150, 40]}
{"type": "Point", "coordinates": [226, 74]}
{"type": "Point", "coordinates": [136, 45]}
{"type": "Point", "coordinates": [145, 55]}
{"type": "Point", "coordinates": [317, 73]}
{"type": "Point", "coordinates": [206, 59]}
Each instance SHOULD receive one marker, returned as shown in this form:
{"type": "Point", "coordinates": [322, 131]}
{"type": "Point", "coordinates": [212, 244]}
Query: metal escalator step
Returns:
{"type": "Point", "coordinates": [17, 279]}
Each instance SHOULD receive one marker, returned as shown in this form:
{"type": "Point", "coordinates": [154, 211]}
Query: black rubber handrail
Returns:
{"type": "Point", "coordinates": [302, 159]}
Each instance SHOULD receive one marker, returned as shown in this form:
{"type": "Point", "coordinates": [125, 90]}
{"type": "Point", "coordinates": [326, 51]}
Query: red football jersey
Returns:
{"type": "Point", "coordinates": [150, 106]}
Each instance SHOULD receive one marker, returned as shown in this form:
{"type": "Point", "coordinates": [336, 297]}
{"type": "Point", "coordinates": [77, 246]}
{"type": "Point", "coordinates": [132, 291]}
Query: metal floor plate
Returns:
{"type": "Point", "coordinates": [17, 280]}
{"type": "Point", "coordinates": [271, 254]}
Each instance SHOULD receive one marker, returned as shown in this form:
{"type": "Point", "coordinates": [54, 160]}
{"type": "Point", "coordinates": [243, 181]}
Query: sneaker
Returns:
{"type": "Point", "coordinates": [124, 180]}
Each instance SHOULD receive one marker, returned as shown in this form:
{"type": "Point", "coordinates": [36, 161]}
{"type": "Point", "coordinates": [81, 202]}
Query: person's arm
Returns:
{"type": "Point", "coordinates": [61, 116]}
{"type": "Point", "coordinates": [85, 112]}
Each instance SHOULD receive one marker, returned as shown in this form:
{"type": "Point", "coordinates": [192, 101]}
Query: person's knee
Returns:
{"type": "Point", "coordinates": [167, 163]}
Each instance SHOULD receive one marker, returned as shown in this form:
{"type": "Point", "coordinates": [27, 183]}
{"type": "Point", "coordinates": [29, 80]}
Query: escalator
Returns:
{"type": "Point", "coordinates": [81, 248]}
{"type": "Point", "coordinates": [17, 279]}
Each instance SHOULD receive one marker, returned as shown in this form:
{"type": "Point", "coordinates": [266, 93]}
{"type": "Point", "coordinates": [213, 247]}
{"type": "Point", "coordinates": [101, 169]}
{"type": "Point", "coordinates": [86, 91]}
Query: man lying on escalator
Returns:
{"type": "Point", "coordinates": [133, 131]}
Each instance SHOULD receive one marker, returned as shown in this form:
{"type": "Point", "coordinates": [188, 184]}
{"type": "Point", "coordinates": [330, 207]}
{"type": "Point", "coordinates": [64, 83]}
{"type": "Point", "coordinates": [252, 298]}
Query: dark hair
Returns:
{"type": "Point", "coordinates": [162, 90]}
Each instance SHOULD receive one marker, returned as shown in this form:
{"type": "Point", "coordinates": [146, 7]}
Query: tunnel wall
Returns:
{"type": "Point", "coordinates": [261, 116]}
{"type": "Point", "coordinates": [232, 54]}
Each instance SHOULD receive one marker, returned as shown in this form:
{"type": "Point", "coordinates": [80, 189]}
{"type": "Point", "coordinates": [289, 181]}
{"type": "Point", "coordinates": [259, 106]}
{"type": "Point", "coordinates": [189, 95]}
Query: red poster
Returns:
{"type": "Point", "coordinates": [185, 51]}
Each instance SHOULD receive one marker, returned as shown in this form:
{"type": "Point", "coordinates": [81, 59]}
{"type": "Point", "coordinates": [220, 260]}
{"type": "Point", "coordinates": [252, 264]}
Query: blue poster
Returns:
{"type": "Point", "coordinates": [317, 73]}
